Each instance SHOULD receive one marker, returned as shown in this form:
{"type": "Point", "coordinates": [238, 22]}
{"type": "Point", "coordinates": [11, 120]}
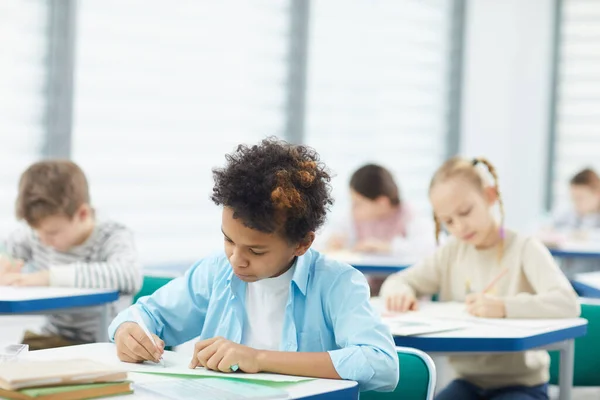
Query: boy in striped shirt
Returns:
{"type": "Point", "coordinates": [64, 245]}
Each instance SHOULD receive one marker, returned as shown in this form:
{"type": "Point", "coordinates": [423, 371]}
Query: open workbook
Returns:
{"type": "Point", "coordinates": [408, 325]}
{"type": "Point", "coordinates": [436, 317]}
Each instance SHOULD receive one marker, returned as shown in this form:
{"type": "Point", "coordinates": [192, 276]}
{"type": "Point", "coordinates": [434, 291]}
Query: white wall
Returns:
{"type": "Point", "coordinates": [506, 89]}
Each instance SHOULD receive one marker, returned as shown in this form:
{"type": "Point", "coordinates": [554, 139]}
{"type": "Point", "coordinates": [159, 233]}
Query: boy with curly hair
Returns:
{"type": "Point", "coordinates": [268, 302]}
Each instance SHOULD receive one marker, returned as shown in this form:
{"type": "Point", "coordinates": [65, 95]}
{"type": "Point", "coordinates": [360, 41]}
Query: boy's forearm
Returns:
{"type": "Point", "coordinates": [316, 365]}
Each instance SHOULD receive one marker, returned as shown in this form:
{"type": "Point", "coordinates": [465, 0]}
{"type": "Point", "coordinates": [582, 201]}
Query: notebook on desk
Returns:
{"type": "Point", "coordinates": [446, 316]}
{"type": "Point", "coordinates": [213, 389]}
{"type": "Point", "coordinates": [406, 325]}
{"type": "Point", "coordinates": [72, 392]}
{"type": "Point", "coordinates": [29, 373]}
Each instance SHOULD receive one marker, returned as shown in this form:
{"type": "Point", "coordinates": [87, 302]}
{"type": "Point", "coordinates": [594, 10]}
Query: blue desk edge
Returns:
{"type": "Point", "coordinates": [490, 345]}
{"type": "Point", "coordinates": [36, 305]}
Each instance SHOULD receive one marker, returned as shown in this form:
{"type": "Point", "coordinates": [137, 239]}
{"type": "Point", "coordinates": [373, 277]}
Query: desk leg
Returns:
{"type": "Point", "coordinates": [103, 334]}
{"type": "Point", "coordinates": [567, 364]}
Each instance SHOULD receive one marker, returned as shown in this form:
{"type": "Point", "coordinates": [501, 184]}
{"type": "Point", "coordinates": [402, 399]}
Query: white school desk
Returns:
{"type": "Point", "coordinates": [576, 249]}
{"type": "Point", "coordinates": [491, 336]}
{"type": "Point", "coordinates": [52, 300]}
{"type": "Point", "coordinates": [587, 284]}
{"type": "Point", "coordinates": [321, 389]}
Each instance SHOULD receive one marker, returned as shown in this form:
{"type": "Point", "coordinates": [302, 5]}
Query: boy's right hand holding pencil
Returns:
{"type": "Point", "coordinates": [135, 346]}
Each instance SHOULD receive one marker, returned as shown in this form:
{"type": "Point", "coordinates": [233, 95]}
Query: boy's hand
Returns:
{"type": "Point", "coordinates": [41, 278]}
{"type": "Point", "coordinates": [8, 265]}
{"type": "Point", "coordinates": [485, 306]}
{"type": "Point", "coordinates": [401, 302]}
{"type": "Point", "coordinates": [134, 346]}
{"type": "Point", "coordinates": [220, 354]}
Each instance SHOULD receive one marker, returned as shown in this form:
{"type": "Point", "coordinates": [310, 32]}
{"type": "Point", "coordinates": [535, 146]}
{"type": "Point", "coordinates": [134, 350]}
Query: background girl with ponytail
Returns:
{"type": "Point", "coordinates": [497, 272]}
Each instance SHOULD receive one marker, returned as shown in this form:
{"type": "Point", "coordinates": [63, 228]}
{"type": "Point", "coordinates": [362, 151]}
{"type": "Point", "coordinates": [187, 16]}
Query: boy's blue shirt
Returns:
{"type": "Point", "coordinates": [328, 309]}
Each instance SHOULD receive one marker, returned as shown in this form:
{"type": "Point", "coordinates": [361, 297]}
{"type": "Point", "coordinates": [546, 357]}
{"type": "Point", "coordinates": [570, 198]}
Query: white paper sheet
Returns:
{"type": "Point", "coordinates": [177, 364]}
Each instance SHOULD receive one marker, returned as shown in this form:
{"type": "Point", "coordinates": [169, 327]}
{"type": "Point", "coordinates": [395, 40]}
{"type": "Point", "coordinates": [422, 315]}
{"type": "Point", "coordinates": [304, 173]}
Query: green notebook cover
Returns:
{"type": "Point", "coordinates": [99, 388]}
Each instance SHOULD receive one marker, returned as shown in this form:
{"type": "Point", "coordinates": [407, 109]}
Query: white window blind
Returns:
{"type": "Point", "coordinates": [163, 90]}
{"type": "Point", "coordinates": [378, 89]}
{"type": "Point", "coordinates": [577, 116]}
{"type": "Point", "coordinates": [23, 45]}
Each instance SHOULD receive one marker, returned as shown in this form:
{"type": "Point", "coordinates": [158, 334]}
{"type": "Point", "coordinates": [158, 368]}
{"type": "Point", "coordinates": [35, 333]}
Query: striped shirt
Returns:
{"type": "Point", "coordinates": [106, 260]}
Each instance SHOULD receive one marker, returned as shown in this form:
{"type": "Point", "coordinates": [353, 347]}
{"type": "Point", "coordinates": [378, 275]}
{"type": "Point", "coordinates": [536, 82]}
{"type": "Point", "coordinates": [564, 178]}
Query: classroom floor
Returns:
{"type": "Point", "coordinates": [12, 329]}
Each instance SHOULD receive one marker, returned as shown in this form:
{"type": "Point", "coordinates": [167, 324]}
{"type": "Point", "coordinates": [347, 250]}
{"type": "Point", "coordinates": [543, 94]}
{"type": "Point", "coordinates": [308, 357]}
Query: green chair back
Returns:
{"type": "Point", "coordinates": [417, 378]}
{"type": "Point", "coordinates": [151, 284]}
{"type": "Point", "coordinates": [587, 352]}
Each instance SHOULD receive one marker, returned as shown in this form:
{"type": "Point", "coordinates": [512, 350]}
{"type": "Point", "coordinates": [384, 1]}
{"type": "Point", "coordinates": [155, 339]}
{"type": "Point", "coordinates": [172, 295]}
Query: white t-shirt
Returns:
{"type": "Point", "coordinates": [265, 309]}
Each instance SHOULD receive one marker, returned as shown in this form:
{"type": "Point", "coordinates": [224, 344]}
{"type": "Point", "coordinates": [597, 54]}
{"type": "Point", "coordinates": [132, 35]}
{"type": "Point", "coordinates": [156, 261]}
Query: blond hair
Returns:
{"type": "Point", "coordinates": [51, 188]}
{"type": "Point", "coordinates": [465, 168]}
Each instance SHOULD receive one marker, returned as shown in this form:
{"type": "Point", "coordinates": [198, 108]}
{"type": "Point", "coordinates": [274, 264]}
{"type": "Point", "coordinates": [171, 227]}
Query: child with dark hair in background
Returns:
{"type": "Point", "coordinates": [381, 221]}
{"type": "Point", "coordinates": [580, 223]}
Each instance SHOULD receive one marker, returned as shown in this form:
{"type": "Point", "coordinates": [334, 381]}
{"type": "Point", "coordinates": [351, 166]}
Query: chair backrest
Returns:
{"type": "Point", "coordinates": [417, 378]}
{"type": "Point", "coordinates": [150, 285]}
{"type": "Point", "coordinates": [587, 351]}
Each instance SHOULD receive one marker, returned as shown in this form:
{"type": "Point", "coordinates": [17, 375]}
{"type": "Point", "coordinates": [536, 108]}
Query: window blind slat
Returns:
{"type": "Point", "coordinates": [22, 83]}
{"type": "Point", "coordinates": [378, 90]}
{"type": "Point", "coordinates": [162, 91]}
{"type": "Point", "coordinates": [578, 94]}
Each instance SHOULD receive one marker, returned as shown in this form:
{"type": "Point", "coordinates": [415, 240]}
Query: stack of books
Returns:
{"type": "Point", "coordinates": [61, 380]}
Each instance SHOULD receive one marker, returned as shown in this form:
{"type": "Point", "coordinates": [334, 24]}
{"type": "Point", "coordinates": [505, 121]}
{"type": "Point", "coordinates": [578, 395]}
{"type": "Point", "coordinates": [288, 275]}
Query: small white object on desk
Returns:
{"type": "Point", "coordinates": [11, 352]}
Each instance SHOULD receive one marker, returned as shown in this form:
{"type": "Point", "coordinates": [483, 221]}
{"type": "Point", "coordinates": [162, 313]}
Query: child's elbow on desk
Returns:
{"type": "Point", "coordinates": [386, 374]}
{"type": "Point", "coordinates": [563, 304]}
{"type": "Point", "coordinates": [568, 304]}
{"type": "Point", "coordinates": [575, 307]}
{"type": "Point", "coordinates": [373, 368]}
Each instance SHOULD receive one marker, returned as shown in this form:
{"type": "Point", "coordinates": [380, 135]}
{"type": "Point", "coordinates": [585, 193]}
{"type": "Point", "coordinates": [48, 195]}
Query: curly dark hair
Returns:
{"type": "Point", "coordinates": [275, 186]}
